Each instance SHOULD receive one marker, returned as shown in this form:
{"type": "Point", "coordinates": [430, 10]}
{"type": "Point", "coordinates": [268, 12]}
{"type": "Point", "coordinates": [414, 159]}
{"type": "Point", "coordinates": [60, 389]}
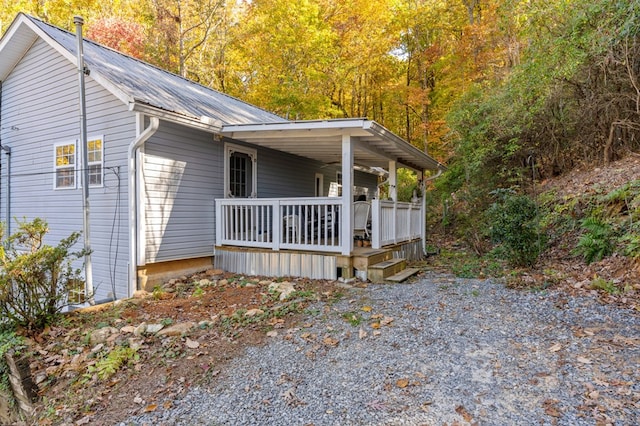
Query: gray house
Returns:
{"type": "Point", "coordinates": [182, 177]}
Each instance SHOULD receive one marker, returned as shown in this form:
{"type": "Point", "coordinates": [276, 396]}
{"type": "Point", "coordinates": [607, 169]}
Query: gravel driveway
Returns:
{"type": "Point", "coordinates": [437, 350]}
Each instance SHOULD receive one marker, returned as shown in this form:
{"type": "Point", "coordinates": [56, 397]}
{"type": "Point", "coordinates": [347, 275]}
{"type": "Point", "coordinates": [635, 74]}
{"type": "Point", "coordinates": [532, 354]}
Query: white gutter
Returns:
{"type": "Point", "coordinates": [133, 201]}
{"type": "Point", "coordinates": [203, 122]}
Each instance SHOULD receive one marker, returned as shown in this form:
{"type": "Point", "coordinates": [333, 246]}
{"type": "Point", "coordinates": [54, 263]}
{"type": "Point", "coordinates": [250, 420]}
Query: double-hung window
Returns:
{"type": "Point", "coordinates": [95, 161]}
{"type": "Point", "coordinates": [66, 163]}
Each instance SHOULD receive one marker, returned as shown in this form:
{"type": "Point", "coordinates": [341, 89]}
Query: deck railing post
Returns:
{"type": "Point", "coordinates": [376, 227]}
{"type": "Point", "coordinates": [277, 224]}
{"type": "Point", "coordinates": [394, 222]}
{"type": "Point", "coordinates": [219, 220]}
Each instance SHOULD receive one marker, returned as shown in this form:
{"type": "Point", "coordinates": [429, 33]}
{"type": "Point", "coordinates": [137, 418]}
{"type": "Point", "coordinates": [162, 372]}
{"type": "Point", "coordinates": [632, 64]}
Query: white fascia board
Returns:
{"type": "Point", "coordinates": [295, 125]}
{"type": "Point", "coordinates": [203, 123]}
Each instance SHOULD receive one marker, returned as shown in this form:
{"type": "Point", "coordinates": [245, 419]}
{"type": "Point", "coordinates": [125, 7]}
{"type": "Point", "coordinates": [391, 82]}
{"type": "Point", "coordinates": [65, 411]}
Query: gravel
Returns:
{"type": "Point", "coordinates": [433, 351]}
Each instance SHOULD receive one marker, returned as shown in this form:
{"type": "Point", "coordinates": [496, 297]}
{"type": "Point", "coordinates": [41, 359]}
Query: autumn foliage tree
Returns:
{"type": "Point", "coordinates": [119, 34]}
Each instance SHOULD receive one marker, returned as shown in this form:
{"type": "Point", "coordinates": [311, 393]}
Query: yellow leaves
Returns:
{"type": "Point", "coordinates": [383, 321]}
{"type": "Point", "coordinates": [366, 309]}
{"type": "Point", "coordinates": [402, 383]}
{"type": "Point", "coordinates": [151, 407]}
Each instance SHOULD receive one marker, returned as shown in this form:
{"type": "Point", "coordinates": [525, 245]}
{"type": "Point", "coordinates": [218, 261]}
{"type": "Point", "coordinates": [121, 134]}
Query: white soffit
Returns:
{"type": "Point", "coordinates": [321, 140]}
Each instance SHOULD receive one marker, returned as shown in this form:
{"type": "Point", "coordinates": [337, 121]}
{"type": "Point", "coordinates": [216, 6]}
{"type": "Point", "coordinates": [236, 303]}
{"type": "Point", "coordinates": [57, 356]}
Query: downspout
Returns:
{"type": "Point", "coordinates": [1, 149]}
{"type": "Point", "coordinates": [7, 150]}
{"type": "Point", "coordinates": [424, 206]}
{"type": "Point", "coordinates": [154, 123]}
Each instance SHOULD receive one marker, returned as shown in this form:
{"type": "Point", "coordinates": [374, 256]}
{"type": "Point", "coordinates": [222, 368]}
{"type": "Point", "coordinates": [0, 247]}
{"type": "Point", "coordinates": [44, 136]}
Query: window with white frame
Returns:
{"type": "Point", "coordinates": [65, 165]}
{"type": "Point", "coordinates": [95, 161]}
{"type": "Point", "coordinates": [66, 160]}
{"type": "Point", "coordinates": [240, 175]}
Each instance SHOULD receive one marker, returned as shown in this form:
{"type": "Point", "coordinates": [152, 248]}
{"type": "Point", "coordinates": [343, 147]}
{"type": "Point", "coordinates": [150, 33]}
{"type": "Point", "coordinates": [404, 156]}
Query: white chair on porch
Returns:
{"type": "Point", "coordinates": [361, 212]}
{"type": "Point", "coordinates": [291, 226]}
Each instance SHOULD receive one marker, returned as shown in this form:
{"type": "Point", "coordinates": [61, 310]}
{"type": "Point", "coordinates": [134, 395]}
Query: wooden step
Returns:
{"type": "Point", "coordinates": [380, 271]}
{"type": "Point", "coordinates": [403, 275]}
{"type": "Point", "coordinates": [364, 257]}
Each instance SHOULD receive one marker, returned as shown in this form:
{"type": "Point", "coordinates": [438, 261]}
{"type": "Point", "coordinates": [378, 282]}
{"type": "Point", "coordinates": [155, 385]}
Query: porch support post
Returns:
{"type": "Point", "coordinates": [423, 210]}
{"type": "Point", "coordinates": [346, 231]}
{"type": "Point", "coordinates": [393, 181]}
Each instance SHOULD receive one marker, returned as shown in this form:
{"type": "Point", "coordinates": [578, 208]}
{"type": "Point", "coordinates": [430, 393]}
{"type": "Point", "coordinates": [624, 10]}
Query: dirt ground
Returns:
{"type": "Point", "coordinates": [165, 368]}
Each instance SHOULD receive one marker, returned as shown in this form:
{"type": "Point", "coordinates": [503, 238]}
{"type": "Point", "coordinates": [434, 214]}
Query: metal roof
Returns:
{"type": "Point", "coordinates": [141, 85]}
{"type": "Point", "coordinates": [374, 145]}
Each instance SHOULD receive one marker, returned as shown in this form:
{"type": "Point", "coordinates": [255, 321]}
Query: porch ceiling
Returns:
{"type": "Point", "coordinates": [374, 145]}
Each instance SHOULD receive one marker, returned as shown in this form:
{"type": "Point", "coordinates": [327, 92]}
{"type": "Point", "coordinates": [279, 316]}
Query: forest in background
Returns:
{"type": "Point", "coordinates": [507, 93]}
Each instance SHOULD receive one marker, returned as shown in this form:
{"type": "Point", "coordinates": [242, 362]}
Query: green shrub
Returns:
{"type": "Point", "coordinates": [632, 245]}
{"type": "Point", "coordinates": [34, 277]}
{"type": "Point", "coordinates": [513, 221]}
{"type": "Point", "coordinates": [597, 241]}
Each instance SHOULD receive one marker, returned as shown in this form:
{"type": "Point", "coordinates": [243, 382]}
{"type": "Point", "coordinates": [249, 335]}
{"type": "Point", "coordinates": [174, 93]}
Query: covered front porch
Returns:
{"type": "Point", "coordinates": [320, 236]}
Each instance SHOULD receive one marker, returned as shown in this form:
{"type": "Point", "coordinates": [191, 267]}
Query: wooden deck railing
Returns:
{"type": "Point", "coordinates": [311, 224]}
{"type": "Point", "coordinates": [393, 223]}
{"type": "Point", "coordinates": [280, 223]}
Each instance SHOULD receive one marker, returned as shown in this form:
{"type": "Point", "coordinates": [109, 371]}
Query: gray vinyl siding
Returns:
{"type": "Point", "coordinates": [366, 180]}
{"type": "Point", "coordinates": [40, 98]}
{"type": "Point", "coordinates": [183, 174]}
{"type": "Point", "coordinates": [283, 175]}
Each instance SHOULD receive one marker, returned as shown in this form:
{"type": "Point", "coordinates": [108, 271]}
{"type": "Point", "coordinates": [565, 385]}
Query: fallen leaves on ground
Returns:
{"type": "Point", "coordinates": [229, 313]}
{"type": "Point", "coordinates": [402, 383]}
{"type": "Point", "coordinates": [555, 348]}
{"type": "Point", "coordinates": [330, 341]}
{"type": "Point", "coordinates": [464, 413]}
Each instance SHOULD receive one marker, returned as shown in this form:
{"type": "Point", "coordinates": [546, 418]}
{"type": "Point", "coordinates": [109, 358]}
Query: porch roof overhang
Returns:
{"type": "Point", "coordinates": [321, 140]}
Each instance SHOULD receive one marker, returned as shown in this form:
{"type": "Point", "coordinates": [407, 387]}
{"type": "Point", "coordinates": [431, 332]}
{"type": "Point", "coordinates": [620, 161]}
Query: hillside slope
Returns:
{"type": "Point", "coordinates": [611, 193]}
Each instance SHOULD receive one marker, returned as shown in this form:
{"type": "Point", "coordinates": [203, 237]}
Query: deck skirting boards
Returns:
{"type": "Point", "coordinates": [277, 263]}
